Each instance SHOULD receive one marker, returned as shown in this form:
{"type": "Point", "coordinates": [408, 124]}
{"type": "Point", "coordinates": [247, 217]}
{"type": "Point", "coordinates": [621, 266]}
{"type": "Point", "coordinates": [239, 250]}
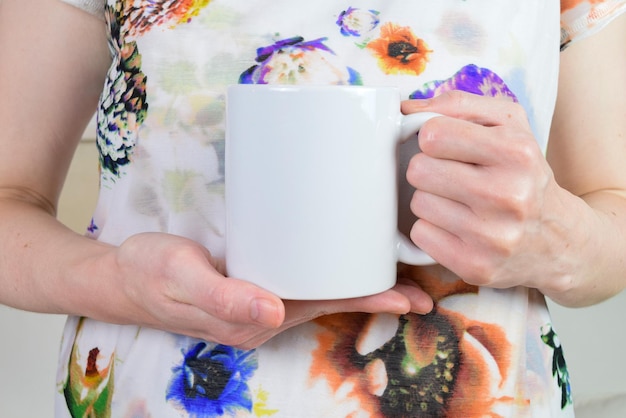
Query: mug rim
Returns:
{"type": "Point", "coordinates": [310, 87]}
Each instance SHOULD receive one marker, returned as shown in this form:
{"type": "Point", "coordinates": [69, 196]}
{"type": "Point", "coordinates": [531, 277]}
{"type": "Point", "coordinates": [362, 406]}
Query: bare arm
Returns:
{"type": "Point", "coordinates": [587, 152]}
{"type": "Point", "coordinates": [52, 69]}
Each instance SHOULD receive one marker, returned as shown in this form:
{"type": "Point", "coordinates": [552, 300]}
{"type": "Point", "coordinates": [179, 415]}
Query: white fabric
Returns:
{"type": "Point", "coordinates": [95, 7]}
{"type": "Point", "coordinates": [482, 352]}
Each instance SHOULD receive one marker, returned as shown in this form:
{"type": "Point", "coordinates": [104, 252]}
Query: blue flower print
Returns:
{"type": "Point", "coordinates": [212, 381]}
{"type": "Point", "coordinates": [296, 61]}
{"type": "Point", "coordinates": [357, 22]}
{"type": "Point", "coordinates": [471, 79]}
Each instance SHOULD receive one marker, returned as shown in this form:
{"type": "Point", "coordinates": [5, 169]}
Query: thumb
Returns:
{"type": "Point", "coordinates": [228, 299]}
{"type": "Point", "coordinates": [237, 301]}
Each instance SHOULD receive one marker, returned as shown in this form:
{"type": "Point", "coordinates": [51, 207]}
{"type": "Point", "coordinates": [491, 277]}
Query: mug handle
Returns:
{"type": "Point", "coordinates": [408, 252]}
{"type": "Point", "coordinates": [411, 124]}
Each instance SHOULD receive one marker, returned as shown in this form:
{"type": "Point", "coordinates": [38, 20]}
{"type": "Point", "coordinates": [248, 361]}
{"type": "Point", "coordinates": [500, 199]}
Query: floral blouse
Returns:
{"type": "Point", "coordinates": [160, 135]}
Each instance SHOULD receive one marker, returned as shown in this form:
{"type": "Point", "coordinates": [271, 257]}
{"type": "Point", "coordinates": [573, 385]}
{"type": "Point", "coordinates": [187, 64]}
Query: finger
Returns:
{"type": "Point", "coordinates": [197, 282]}
{"type": "Point", "coordinates": [238, 301]}
{"type": "Point", "coordinates": [405, 290]}
{"type": "Point", "coordinates": [401, 299]}
{"type": "Point", "coordinates": [421, 302]}
{"type": "Point", "coordinates": [447, 214]}
{"type": "Point", "coordinates": [392, 301]}
{"type": "Point", "coordinates": [447, 178]}
{"type": "Point", "coordinates": [219, 264]}
{"type": "Point", "coordinates": [199, 324]}
{"type": "Point", "coordinates": [482, 110]}
{"type": "Point", "coordinates": [464, 141]}
{"type": "Point", "coordinates": [404, 297]}
{"type": "Point", "coordinates": [439, 243]}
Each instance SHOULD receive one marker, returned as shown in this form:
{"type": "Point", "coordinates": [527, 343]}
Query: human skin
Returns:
{"type": "Point", "coordinates": [497, 213]}
{"type": "Point", "coordinates": [51, 74]}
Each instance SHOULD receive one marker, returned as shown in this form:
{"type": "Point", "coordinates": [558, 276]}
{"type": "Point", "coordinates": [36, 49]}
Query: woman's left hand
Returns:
{"type": "Point", "coordinates": [488, 205]}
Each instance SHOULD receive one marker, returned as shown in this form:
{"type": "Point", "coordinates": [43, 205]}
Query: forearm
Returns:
{"type": "Point", "coordinates": [597, 253]}
{"type": "Point", "coordinates": [586, 152]}
{"type": "Point", "coordinates": [51, 75]}
{"type": "Point", "coordinates": [45, 266]}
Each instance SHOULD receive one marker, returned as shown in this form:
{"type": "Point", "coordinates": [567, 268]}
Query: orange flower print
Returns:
{"type": "Point", "coordinates": [140, 16]}
{"type": "Point", "coordinates": [443, 364]}
{"type": "Point", "coordinates": [579, 16]}
{"type": "Point", "coordinates": [436, 365]}
{"type": "Point", "coordinates": [184, 11]}
{"type": "Point", "coordinates": [570, 4]}
{"type": "Point", "coordinates": [399, 51]}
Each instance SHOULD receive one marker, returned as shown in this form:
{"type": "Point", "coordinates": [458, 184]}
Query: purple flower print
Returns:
{"type": "Point", "coordinates": [471, 79]}
{"type": "Point", "coordinates": [92, 228]}
{"type": "Point", "coordinates": [296, 61]}
{"type": "Point", "coordinates": [357, 22]}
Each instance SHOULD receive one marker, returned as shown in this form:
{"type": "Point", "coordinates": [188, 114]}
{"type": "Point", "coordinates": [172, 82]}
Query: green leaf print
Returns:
{"type": "Point", "coordinates": [178, 189]}
{"type": "Point", "coordinates": [559, 367]}
{"type": "Point", "coordinates": [179, 78]}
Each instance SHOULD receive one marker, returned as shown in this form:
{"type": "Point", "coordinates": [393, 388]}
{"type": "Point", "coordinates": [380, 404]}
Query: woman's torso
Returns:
{"type": "Point", "coordinates": [482, 352]}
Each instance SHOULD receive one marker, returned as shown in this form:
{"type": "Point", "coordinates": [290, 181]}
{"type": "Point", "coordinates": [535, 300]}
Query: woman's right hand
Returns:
{"type": "Point", "coordinates": [173, 283]}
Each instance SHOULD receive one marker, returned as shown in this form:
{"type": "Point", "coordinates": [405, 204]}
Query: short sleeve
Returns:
{"type": "Point", "coordinates": [94, 7]}
{"type": "Point", "coordinates": [581, 18]}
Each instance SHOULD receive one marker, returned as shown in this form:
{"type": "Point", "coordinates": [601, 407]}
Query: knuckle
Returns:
{"type": "Point", "coordinates": [525, 152]}
{"type": "Point", "coordinates": [415, 169]}
{"type": "Point", "coordinates": [427, 135]}
{"type": "Point", "coordinates": [173, 260]}
{"type": "Point", "coordinates": [222, 303]}
{"type": "Point", "coordinates": [512, 111]}
{"type": "Point", "coordinates": [507, 242]}
{"type": "Point", "coordinates": [479, 272]}
{"type": "Point", "coordinates": [518, 112]}
{"type": "Point", "coordinates": [414, 204]}
{"type": "Point", "coordinates": [482, 266]}
{"type": "Point", "coordinates": [515, 200]}
{"type": "Point", "coordinates": [459, 97]}
{"type": "Point", "coordinates": [501, 240]}
{"type": "Point", "coordinates": [517, 203]}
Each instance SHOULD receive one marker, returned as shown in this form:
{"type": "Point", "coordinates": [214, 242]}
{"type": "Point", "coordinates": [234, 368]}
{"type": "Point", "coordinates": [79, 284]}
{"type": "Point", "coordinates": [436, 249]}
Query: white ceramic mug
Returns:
{"type": "Point", "coordinates": [311, 189]}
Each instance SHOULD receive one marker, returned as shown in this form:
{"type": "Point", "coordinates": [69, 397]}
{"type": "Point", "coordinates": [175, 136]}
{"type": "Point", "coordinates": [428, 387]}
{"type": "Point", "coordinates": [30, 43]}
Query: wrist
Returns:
{"type": "Point", "coordinates": [592, 262]}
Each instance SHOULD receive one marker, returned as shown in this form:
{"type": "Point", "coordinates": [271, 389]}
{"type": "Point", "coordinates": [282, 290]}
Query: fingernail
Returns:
{"type": "Point", "coordinates": [264, 312]}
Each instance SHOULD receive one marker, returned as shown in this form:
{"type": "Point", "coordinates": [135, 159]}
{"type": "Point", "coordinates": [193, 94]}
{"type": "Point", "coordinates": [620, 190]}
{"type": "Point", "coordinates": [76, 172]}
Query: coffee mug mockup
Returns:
{"type": "Point", "coordinates": [311, 189]}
